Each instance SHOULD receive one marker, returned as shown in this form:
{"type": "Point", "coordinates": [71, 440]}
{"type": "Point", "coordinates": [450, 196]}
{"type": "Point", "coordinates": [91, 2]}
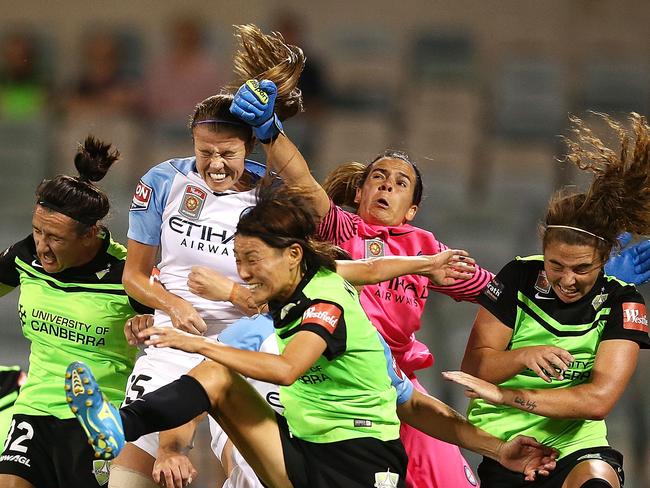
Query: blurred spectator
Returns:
{"type": "Point", "coordinates": [304, 128]}
{"type": "Point", "coordinates": [103, 85]}
{"type": "Point", "coordinates": [23, 90]}
{"type": "Point", "coordinates": [186, 74]}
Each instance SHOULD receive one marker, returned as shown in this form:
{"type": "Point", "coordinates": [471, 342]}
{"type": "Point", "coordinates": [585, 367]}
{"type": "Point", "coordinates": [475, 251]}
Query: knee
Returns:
{"type": "Point", "coordinates": [215, 378]}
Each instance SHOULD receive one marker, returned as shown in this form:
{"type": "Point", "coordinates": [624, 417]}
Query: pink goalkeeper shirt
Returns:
{"type": "Point", "coordinates": [395, 307]}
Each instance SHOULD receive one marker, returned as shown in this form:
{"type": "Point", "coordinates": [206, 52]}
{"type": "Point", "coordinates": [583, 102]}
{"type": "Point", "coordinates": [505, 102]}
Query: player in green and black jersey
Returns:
{"type": "Point", "coordinates": [72, 305]}
{"type": "Point", "coordinates": [559, 337]}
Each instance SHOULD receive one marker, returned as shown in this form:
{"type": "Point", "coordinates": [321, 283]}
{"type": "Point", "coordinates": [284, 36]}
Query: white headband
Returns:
{"type": "Point", "coordinates": [577, 229]}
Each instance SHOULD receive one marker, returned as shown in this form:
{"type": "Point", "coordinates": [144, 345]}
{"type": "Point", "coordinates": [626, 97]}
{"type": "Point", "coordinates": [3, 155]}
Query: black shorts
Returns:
{"type": "Point", "coordinates": [493, 475]}
{"type": "Point", "coordinates": [355, 463]}
{"type": "Point", "coordinates": [51, 453]}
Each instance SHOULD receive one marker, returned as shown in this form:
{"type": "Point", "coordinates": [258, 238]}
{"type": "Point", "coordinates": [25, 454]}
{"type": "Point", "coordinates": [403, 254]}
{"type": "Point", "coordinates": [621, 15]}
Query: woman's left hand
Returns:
{"type": "Point", "coordinates": [476, 388]}
{"type": "Point", "coordinates": [447, 267]}
{"type": "Point", "coordinates": [171, 337]}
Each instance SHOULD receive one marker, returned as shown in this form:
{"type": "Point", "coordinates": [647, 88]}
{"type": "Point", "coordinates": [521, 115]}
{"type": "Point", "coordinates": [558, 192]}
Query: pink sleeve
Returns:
{"type": "Point", "coordinates": [467, 290]}
{"type": "Point", "coordinates": [338, 225]}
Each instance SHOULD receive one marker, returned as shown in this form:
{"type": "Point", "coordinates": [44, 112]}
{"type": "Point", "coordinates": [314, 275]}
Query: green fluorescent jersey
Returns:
{"type": "Point", "coordinates": [75, 315]}
{"type": "Point", "coordinates": [521, 297]}
{"type": "Point", "coordinates": [347, 393]}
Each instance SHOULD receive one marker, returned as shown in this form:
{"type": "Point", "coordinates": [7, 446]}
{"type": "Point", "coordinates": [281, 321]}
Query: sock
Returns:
{"type": "Point", "coordinates": [167, 407]}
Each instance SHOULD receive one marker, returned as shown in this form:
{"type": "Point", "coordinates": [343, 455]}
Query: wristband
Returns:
{"type": "Point", "coordinates": [233, 294]}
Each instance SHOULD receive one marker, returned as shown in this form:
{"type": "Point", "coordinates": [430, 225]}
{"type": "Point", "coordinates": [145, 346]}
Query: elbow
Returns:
{"type": "Point", "coordinates": [599, 410]}
{"type": "Point", "coordinates": [287, 376]}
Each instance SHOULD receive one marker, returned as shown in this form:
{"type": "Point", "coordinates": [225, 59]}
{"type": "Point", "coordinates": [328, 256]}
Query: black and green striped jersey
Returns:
{"type": "Point", "coordinates": [75, 315]}
{"type": "Point", "coordinates": [347, 393]}
{"type": "Point", "coordinates": [522, 298]}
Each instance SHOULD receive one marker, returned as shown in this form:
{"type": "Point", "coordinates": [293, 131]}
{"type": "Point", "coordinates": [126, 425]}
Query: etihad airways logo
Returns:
{"type": "Point", "coordinates": [635, 316]}
{"type": "Point", "coordinates": [326, 315]}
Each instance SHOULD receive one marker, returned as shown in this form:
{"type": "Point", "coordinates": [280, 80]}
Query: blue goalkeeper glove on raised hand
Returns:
{"type": "Point", "coordinates": [254, 103]}
{"type": "Point", "coordinates": [632, 264]}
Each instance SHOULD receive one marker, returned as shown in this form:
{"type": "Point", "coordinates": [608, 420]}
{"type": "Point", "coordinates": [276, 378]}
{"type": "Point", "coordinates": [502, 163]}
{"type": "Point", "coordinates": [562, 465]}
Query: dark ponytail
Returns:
{"type": "Point", "coordinates": [77, 197]}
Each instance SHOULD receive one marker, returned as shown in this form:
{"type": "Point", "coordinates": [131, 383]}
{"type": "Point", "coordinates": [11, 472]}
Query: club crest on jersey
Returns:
{"type": "Point", "coordinates": [141, 197]}
{"type": "Point", "coordinates": [598, 300]}
{"type": "Point", "coordinates": [374, 248]}
{"type": "Point", "coordinates": [386, 480]}
{"type": "Point", "coordinates": [542, 284]}
{"type": "Point", "coordinates": [635, 316]}
{"type": "Point", "coordinates": [192, 202]}
{"type": "Point", "coordinates": [101, 468]}
{"type": "Point", "coordinates": [326, 315]}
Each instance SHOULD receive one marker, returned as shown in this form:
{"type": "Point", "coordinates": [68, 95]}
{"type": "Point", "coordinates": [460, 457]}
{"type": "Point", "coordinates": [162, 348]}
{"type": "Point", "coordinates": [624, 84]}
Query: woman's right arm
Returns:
{"type": "Point", "coordinates": [487, 355]}
{"type": "Point", "coordinates": [140, 260]}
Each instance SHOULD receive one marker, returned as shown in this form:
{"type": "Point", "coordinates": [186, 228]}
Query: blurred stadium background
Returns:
{"type": "Point", "coordinates": [477, 91]}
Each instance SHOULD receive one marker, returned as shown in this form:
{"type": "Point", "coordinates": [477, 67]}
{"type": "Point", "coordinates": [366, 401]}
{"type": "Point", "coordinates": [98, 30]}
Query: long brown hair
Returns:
{"type": "Point", "coordinates": [617, 200]}
{"type": "Point", "coordinates": [269, 57]}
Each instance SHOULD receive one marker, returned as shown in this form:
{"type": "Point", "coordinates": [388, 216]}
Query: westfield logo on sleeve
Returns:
{"type": "Point", "coordinates": [324, 314]}
{"type": "Point", "coordinates": [635, 316]}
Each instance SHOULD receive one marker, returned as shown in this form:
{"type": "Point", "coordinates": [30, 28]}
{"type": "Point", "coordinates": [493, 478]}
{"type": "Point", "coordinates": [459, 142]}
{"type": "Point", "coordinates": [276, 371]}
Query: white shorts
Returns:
{"type": "Point", "coordinates": [156, 368]}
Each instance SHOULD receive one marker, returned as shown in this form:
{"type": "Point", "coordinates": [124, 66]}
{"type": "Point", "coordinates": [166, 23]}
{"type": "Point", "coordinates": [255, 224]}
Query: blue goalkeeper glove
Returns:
{"type": "Point", "coordinates": [254, 103]}
{"type": "Point", "coordinates": [632, 264]}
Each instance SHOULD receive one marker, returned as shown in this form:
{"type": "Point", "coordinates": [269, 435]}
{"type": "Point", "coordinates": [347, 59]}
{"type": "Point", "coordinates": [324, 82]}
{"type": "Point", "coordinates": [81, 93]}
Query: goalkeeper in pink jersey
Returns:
{"type": "Point", "coordinates": [388, 200]}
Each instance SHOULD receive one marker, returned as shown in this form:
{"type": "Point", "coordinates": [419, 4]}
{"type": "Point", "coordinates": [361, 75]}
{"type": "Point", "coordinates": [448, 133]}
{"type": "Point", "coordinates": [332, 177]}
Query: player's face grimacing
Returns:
{"type": "Point", "coordinates": [271, 274]}
{"type": "Point", "coordinates": [386, 196]}
{"type": "Point", "coordinates": [571, 269]}
{"type": "Point", "coordinates": [58, 245]}
{"type": "Point", "coordinates": [219, 157]}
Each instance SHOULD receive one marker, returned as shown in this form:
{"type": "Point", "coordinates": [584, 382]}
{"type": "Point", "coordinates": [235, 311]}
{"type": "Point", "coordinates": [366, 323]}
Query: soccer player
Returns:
{"type": "Point", "coordinates": [559, 337]}
{"type": "Point", "coordinates": [72, 305]}
{"type": "Point", "coordinates": [187, 209]}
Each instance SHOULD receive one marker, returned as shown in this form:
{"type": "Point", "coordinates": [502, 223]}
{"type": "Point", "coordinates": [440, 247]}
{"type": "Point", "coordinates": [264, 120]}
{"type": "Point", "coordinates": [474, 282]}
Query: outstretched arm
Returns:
{"type": "Point", "coordinates": [254, 103]}
{"type": "Point", "coordinates": [442, 269]}
{"type": "Point", "coordinates": [298, 356]}
{"type": "Point", "coordinates": [435, 418]}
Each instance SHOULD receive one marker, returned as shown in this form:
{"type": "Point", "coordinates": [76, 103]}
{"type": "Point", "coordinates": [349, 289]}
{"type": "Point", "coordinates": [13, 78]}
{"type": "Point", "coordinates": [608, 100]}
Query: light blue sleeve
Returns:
{"type": "Point", "coordinates": [248, 333]}
{"type": "Point", "coordinates": [400, 381]}
{"type": "Point", "coordinates": [148, 204]}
